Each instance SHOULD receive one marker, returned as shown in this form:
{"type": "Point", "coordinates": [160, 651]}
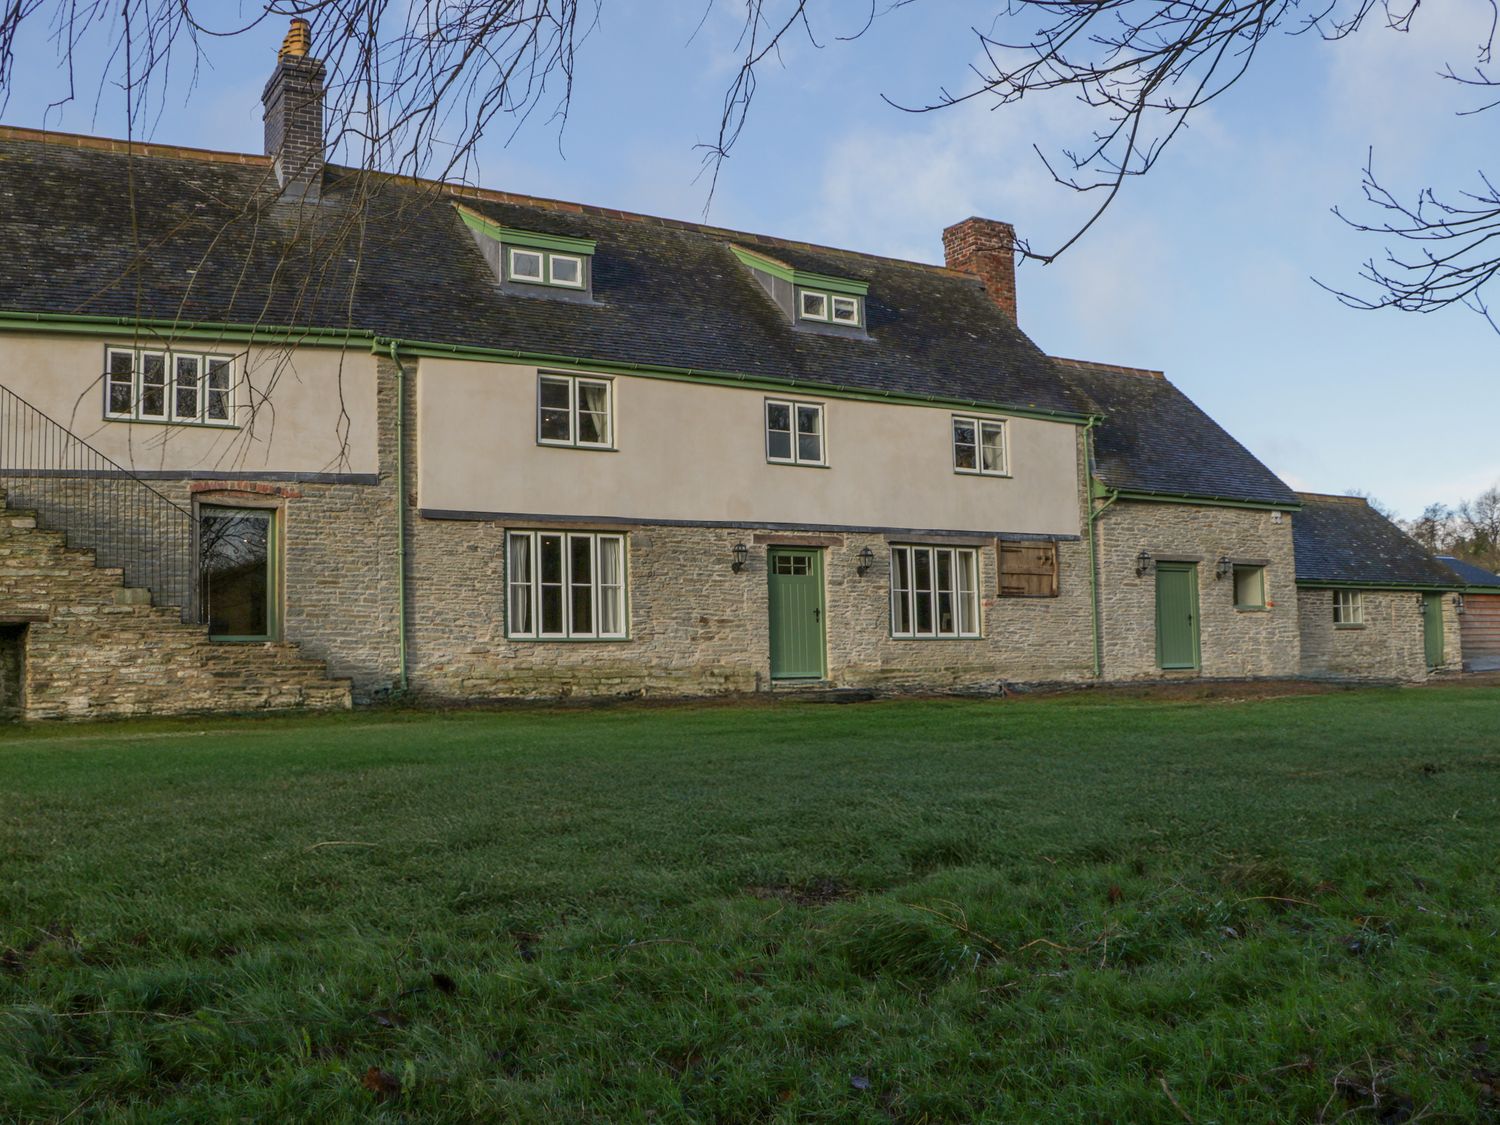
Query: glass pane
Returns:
{"type": "Point", "coordinates": [809, 433]}
{"type": "Point", "coordinates": [550, 564]}
{"type": "Point", "coordinates": [554, 394]}
{"type": "Point", "coordinates": [583, 611]}
{"type": "Point", "coordinates": [526, 265]}
{"type": "Point", "coordinates": [778, 416]}
{"type": "Point", "coordinates": [518, 571]}
{"type": "Point", "coordinates": [121, 365]}
{"type": "Point", "coordinates": [964, 453]}
{"type": "Point", "coordinates": [922, 581]}
{"type": "Point", "coordinates": [234, 552]}
{"type": "Point", "coordinates": [593, 413]}
{"type": "Point", "coordinates": [218, 374]}
{"type": "Point", "coordinates": [550, 550]}
{"type": "Point", "coordinates": [552, 610]}
{"type": "Point", "coordinates": [779, 445]}
{"type": "Point", "coordinates": [218, 406]}
{"type": "Point", "coordinates": [119, 398]}
{"type": "Point", "coordinates": [945, 616]}
{"type": "Point", "coordinates": [968, 588]}
{"type": "Point", "coordinates": [846, 310]}
{"type": "Point", "coordinates": [810, 448]}
{"type": "Point", "coordinates": [566, 271]}
{"type": "Point", "coordinates": [993, 437]}
{"type": "Point", "coordinates": [185, 396]}
{"type": "Point", "coordinates": [154, 386]}
{"type": "Point", "coordinates": [814, 306]}
{"type": "Point", "coordinates": [611, 587]}
{"type": "Point", "coordinates": [900, 591]}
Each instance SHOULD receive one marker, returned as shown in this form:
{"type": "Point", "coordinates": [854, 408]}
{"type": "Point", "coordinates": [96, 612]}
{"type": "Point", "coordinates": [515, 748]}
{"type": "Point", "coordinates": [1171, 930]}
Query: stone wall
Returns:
{"type": "Point", "coordinates": [1388, 646]}
{"type": "Point", "coordinates": [1233, 643]}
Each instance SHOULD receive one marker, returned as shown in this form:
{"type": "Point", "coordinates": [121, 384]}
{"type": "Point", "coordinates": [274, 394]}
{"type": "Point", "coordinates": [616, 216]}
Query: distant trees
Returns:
{"type": "Point", "coordinates": [1469, 530]}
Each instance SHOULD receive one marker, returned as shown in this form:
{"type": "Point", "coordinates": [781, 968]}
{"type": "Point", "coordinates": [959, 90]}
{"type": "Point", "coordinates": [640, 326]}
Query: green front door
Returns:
{"type": "Point", "coordinates": [1432, 628]}
{"type": "Point", "coordinates": [1176, 615]}
{"type": "Point", "coordinates": [796, 614]}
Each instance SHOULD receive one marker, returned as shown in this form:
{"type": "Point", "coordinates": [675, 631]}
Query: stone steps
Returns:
{"type": "Point", "coordinates": [96, 647]}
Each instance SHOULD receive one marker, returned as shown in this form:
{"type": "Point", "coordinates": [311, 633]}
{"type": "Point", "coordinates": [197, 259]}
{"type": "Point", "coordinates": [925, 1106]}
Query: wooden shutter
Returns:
{"type": "Point", "coordinates": [1027, 570]}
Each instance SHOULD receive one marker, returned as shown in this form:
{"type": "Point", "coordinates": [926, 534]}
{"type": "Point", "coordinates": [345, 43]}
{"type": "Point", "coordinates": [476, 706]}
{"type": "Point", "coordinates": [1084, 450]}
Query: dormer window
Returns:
{"type": "Point", "coordinates": [534, 263]}
{"type": "Point", "coordinates": [809, 300]}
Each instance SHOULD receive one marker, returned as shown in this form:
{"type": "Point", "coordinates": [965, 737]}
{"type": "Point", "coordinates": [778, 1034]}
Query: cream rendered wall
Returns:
{"type": "Point", "coordinates": [696, 453]}
{"type": "Point", "coordinates": [300, 427]}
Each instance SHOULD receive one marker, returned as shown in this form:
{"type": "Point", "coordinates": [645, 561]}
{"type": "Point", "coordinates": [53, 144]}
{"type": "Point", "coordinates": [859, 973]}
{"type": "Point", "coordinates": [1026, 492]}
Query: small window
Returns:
{"type": "Point", "coordinates": [791, 564]}
{"type": "Point", "coordinates": [565, 585]}
{"type": "Point", "coordinates": [154, 386]}
{"type": "Point", "coordinates": [237, 572]}
{"type": "Point", "coordinates": [526, 265]}
{"type": "Point", "coordinates": [934, 592]}
{"type": "Point", "coordinates": [794, 432]}
{"type": "Point", "coordinates": [1249, 587]}
{"type": "Point", "coordinates": [1348, 607]}
{"type": "Point", "coordinates": [812, 306]}
{"type": "Point", "coordinates": [1027, 570]}
{"type": "Point", "coordinates": [979, 447]}
{"type": "Point", "coordinates": [566, 270]}
{"type": "Point", "coordinates": [574, 411]}
{"type": "Point", "coordinates": [845, 310]}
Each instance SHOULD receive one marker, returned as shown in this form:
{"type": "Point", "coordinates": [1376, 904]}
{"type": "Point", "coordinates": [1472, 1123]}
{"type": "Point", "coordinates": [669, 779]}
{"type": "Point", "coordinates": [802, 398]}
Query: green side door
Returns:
{"type": "Point", "coordinates": [1176, 615]}
{"type": "Point", "coordinates": [796, 613]}
{"type": "Point", "coordinates": [1432, 628]}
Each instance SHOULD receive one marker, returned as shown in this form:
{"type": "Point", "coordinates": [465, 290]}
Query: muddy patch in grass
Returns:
{"type": "Point", "coordinates": [813, 892]}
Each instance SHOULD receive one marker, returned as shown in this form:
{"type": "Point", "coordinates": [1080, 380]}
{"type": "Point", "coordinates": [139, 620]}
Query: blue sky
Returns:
{"type": "Point", "coordinates": [1202, 269]}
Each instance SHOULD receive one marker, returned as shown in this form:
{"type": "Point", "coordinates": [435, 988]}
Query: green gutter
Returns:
{"type": "Point", "coordinates": [78, 324]}
{"type": "Point", "coordinates": [1207, 501]}
{"type": "Point", "coordinates": [400, 511]}
{"type": "Point", "coordinates": [1399, 587]}
{"type": "Point", "coordinates": [338, 338]}
{"type": "Point", "coordinates": [724, 378]}
{"type": "Point", "coordinates": [1093, 518]}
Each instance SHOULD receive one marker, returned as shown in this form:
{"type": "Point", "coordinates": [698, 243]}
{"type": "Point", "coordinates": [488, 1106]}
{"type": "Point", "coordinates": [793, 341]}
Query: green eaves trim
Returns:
{"type": "Point", "coordinates": [799, 277]}
{"type": "Point", "coordinates": [1375, 587]}
{"type": "Point", "coordinates": [720, 378]}
{"type": "Point", "coordinates": [1204, 501]}
{"type": "Point", "coordinates": [90, 325]}
{"type": "Point", "coordinates": [120, 326]}
{"type": "Point", "coordinates": [510, 237]}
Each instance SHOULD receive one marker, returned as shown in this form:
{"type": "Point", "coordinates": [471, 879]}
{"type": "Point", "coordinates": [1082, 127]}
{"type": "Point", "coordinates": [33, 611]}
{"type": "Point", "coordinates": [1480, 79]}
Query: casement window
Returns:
{"type": "Point", "coordinates": [190, 388]}
{"type": "Point", "coordinates": [829, 308]}
{"type": "Point", "coordinates": [544, 267]}
{"type": "Point", "coordinates": [979, 446]}
{"type": "Point", "coordinates": [238, 571]}
{"type": "Point", "coordinates": [794, 433]}
{"type": "Point", "coordinates": [1026, 570]}
{"type": "Point", "coordinates": [934, 592]}
{"type": "Point", "coordinates": [1249, 586]}
{"type": "Point", "coordinates": [565, 585]}
{"type": "Point", "coordinates": [1348, 607]}
{"type": "Point", "coordinates": [574, 410]}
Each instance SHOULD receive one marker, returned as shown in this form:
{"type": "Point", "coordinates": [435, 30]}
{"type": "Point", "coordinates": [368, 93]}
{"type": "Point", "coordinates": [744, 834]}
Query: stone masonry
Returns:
{"type": "Point", "coordinates": [1234, 643]}
{"type": "Point", "coordinates": [1388, 646]}
{"type": "Point", "coordinates": [94, 647]}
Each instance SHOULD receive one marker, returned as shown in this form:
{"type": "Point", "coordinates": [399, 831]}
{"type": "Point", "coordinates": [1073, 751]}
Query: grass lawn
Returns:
{"type": "Point", "coordinates": [1057, 909]}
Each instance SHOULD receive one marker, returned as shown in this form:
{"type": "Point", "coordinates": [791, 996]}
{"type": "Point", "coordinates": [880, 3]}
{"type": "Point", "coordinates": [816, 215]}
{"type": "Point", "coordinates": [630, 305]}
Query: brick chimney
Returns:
{"type": "Point", "coordinates": [293, 101]}
{"type": "Point", "coordinates": [987, 249]}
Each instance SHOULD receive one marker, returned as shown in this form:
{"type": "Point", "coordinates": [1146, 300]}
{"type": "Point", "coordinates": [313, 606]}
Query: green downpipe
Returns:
{"type": "Point", "coordinates": [1093, 517]}
{"type": "Point", "coordinates": [400, 511]}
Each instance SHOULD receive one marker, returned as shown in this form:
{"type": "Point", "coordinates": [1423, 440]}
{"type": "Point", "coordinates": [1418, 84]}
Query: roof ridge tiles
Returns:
{"type": "Point", "coordinates": [1118, 369]}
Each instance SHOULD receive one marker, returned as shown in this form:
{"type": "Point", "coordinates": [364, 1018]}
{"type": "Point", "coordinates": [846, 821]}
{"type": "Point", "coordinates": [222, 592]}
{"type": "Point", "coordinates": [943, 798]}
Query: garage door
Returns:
{"type": "Point", "coordinates": [1481, 631]}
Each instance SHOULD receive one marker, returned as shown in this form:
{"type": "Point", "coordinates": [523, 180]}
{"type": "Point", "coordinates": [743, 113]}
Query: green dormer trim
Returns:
{"type": "Point", "coordinates": [530, 239]}
{"type": "Point", "coordinates": [800, 278]}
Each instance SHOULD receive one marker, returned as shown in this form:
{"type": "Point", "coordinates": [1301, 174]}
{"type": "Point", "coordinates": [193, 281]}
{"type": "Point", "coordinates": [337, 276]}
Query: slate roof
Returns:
{"type": "Point", "coordinates": [1343, 539]}
{"type": "Point", "coordinates": [1472, 575]}
{"type": "Point", "coordinates": [182, 235]}
{"type": "Point", "coordinates": [1155, 439]}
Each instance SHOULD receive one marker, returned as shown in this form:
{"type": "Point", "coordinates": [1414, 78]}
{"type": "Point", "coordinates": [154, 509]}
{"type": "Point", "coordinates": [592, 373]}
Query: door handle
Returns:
{"type": "Point", "coordinates": [817, 614]}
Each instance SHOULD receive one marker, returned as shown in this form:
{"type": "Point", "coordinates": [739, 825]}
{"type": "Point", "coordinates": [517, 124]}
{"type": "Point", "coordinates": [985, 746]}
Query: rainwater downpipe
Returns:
{"type": "Point", "coordinates": [400, 512]}
{"type": "Point", "coordinates": [1094, 514]}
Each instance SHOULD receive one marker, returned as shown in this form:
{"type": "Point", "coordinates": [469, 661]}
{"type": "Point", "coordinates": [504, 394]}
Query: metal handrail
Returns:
{"type": "Point", "coordinates": [98, 504]}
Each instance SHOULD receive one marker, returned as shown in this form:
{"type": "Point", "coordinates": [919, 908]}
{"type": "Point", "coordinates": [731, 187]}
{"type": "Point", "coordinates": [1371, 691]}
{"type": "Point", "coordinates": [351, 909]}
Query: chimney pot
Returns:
{"type": "Point", "coordinates": [293, 101]}
{"type": "Point", "coordinates": [985, 248]}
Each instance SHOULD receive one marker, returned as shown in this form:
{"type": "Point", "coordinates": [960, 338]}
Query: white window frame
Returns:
{"type": "Point", "coordinates": [979, 424]}
{"type": "Point", "coordinates": [1348, 609]}
{"type": "Point", "coordinates": [525, 279]}
{"type": "Point", "coordinates": [803, 314]}
{"type": "Point", "coordinates": [553, 259]}
{"type": "Point", "coordinates": [796, 458]}
{"type": "Point", "coordinates": [854, 304]}
{"type": "Point", "coordinates": [530, 588]}
{"type": "Point", "coordinates": [206, 362]}
{"type": "Point", "coordinates": [963, 588]}
{"type": "Point", "coordinates": [572, 441]}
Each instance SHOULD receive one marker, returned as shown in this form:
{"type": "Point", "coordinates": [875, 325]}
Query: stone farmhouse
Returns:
{"type": "Point", "coordinates": [277, 433]}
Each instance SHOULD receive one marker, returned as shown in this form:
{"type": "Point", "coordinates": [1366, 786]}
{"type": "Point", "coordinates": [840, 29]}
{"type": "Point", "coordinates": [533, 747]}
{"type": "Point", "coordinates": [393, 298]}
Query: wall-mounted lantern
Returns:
{"type": "Point", "coordinates": [1224, 567]}
{"type": "Point", "coordinates": [1144, 563]}
{"type": "Point", "coordinates": [1458, 603]}
{"type": "Point", "coordinates": [866, 561]}
{"type": "Point", "coordinates": [741, 556]}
